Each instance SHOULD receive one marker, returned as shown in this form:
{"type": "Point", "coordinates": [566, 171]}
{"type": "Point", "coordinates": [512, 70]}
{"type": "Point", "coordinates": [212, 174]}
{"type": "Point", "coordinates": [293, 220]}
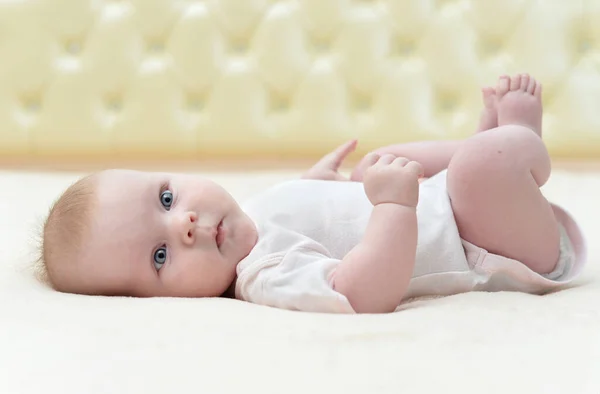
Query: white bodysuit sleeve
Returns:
{"type": "Point", "coordinates": [298, 279]}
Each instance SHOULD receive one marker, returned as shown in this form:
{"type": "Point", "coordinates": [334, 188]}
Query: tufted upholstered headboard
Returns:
{"type": "Point", "coordinates": [147, 79]}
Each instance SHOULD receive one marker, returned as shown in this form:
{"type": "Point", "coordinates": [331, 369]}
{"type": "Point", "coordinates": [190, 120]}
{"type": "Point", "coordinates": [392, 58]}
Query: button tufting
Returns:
{"type": "Point", "coordinates": [156, 46]}
{"type": "Point", "coordinates": [114, 104]}
{"type": "Point", "coordinates": [31, 104]}
{"type": "Point", "coordinates": [404, 47]}
{"type": "Point", "coordinates": [321, 46]}
{"type": "Point", "coordinates": [73, 47]}
{"type": "Point", "coordinates": [316, 66]}
{"type": "Point", "coordinates": [490, 48]}
{"type": "Point", "coordinates": [584, 46]}
{"type": "Point", "coordinates": [447, 102]}
{"type": "Point", "coordinates": [239, 47]}
{"type": "Point", "coordinates": [362, 102]}
{"type": "Point", "coordinates": [279, 103]}
{"type": "Point", "coordinates": [194, 103]}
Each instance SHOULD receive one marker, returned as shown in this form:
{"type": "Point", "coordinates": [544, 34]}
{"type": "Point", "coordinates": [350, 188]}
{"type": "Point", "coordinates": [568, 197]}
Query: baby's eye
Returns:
{"type": "Point", "coordinates": [166, 199]}
{"type": "Point", "coordinates": [160, 256]}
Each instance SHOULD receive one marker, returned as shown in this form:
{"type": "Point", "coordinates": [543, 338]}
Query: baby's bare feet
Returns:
{"type": "Point", "coordinates": [489, 114]}
{"type": "Point", "coordinates": [520, 102]}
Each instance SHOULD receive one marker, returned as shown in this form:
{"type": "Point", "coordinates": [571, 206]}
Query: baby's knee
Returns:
{"type": "Point", "coordinates": [477, 158]}
{"type": "Point", "coordinates": [516, 138]}
{"type": "Point", "coordinates": [520, 150]}
{"type": "Point", "coordinates": [506, 144]}
{"type": "Point", "coordinates": [500, 153]}
{"type": "Point", "coordinates": [481, 156]}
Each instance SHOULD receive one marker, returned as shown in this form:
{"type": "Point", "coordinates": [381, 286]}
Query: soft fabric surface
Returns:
{"type": "Point", "coordinates": [470, 343]}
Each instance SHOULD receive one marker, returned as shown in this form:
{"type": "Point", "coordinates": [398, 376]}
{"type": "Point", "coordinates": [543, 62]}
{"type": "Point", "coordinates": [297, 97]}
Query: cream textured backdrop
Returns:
{"type": "Point", "coordinates": [215, 78]}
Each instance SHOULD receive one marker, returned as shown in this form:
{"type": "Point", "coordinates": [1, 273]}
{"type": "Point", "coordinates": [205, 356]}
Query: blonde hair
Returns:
{"type": "Point", "coordinates": [63, 233]}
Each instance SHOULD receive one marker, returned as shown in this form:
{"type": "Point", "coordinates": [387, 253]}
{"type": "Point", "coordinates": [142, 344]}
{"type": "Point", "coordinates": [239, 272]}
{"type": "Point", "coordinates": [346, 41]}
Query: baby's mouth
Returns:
{"type": "Point", "coordinates": [220, 237]}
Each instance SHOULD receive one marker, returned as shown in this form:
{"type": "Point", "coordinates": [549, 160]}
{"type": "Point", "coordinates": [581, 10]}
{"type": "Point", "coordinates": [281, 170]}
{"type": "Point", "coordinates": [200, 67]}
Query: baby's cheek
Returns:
{"type": "Point", "coordinates": [202, 266]}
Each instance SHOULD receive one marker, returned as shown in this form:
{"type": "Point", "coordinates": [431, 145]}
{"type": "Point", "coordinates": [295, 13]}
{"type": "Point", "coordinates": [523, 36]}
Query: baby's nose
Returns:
{"type": "Point", "coordinates": [187, 227]}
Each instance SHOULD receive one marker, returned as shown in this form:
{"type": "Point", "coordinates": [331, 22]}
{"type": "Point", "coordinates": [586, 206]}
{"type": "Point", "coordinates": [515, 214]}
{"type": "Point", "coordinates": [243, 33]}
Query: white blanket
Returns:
{"type": "Point", "coordinates": [470, 343]}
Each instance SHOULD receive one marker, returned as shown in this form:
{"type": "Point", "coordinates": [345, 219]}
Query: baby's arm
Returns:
{"type": "Point", "coordinates": [375, 274]}
{"type": "Point", "coordinates": [434, 156]}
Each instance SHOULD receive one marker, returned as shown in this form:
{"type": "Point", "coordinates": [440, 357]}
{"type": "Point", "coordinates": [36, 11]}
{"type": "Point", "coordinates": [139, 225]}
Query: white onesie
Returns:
{"type": "Point", "coordinates": [306, 227]}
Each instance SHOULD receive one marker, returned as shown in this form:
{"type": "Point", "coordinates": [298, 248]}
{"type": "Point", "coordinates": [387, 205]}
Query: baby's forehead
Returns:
{"type": "Point", "coordinates": [111, 182]}
{"type": "Point", "coordinates": [125, 195]}
{"type": "Point", "coordinates": [124, 207]}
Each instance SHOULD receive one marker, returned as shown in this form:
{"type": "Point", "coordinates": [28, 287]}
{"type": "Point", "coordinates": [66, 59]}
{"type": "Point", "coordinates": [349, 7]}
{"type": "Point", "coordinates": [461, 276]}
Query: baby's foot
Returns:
{"type": "Point", "coordinates": [489, 114]}
{"type": "Point", "coordinates": [520, 102]}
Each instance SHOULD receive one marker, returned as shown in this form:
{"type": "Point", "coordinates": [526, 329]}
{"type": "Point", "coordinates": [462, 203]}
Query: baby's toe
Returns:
{"type": "Point", "coordinates": [524, 82]}
{"type": "Point", "coordinates": [515, 82]}
{"type": "Point", "coordinates": [531, 86]}
{"type": "Point", "coordinates": [502, 85]}
{"type": "Point", "coordinates": [538, 90]}
{"type": "Point", "coordinates": [489, 94]}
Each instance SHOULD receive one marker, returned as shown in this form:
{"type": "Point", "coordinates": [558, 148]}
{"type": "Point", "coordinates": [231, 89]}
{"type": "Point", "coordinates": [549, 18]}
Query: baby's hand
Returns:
{"type": "Point", "coordinates": [327, 168]}
{"type": "Point", "coordinates": [391, 179]}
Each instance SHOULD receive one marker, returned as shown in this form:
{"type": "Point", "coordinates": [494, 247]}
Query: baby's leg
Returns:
{"type": "Point", "coordinates": [434, 156]}
{"type": "Point", "coordinates": [494, 180]}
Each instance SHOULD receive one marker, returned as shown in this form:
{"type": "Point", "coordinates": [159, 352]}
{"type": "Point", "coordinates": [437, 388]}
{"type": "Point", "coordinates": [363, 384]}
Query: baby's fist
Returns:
{"type": "Point", "coordinates": [391, 179]}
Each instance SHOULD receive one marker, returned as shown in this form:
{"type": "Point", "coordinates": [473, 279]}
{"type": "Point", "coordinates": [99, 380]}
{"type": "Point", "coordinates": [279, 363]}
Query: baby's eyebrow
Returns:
{"type": "Point", "coordinates": [152, 190]}
{"type": "Point", "coordinates": [160, 184]}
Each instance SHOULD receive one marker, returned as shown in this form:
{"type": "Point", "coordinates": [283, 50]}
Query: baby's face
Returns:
{"type": "Point", "coordinates": [156, 234]}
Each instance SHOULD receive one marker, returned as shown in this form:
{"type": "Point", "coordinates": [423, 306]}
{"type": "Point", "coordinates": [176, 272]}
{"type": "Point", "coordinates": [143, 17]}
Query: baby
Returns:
{"type": "Point", "coordinates": [417, 219]}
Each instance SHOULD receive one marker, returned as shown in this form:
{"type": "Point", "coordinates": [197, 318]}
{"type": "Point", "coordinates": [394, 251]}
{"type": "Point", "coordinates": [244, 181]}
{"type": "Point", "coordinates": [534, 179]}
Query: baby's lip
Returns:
{"type": "Point", "coordinates": [220, 234]}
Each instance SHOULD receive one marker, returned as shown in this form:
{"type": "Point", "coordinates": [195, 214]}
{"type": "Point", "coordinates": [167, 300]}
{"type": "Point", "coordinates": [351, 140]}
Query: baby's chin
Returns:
{"type": "Point", "coordinates": [246, 237]}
